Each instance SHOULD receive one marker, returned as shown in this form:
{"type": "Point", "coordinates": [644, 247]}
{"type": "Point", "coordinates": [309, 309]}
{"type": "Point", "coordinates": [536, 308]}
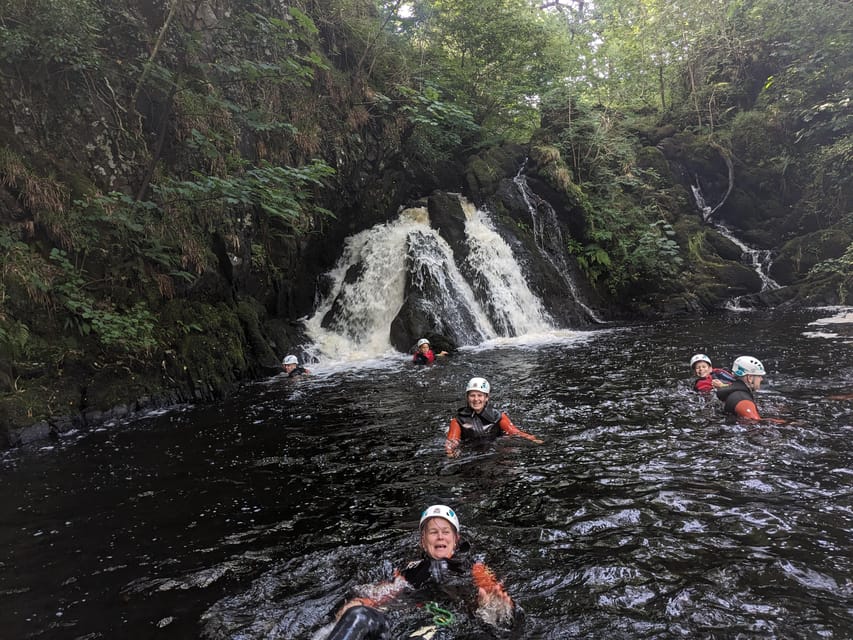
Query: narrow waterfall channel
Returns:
{"type": "Point", "coordinates": [549, 239]}
{"type": "Point", "coordinates": [759, 259]}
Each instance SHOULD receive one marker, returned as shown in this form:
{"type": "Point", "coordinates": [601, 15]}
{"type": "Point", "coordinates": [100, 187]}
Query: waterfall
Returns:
{"type": "Point", "coordinates": [759, 259]}
{"type": "Point", "coordinates": [406, 262]}
{"type": "Point", "coordinates": [700, 202]}
{"type": "Point", "coordinates": [549, 238]}
{"type": "Point", "coordinates": [511, 304]}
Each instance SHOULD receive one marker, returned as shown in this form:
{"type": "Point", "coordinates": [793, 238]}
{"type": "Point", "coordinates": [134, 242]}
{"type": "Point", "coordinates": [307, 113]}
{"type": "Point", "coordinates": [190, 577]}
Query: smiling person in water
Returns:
{"type": "Point", "coordinates": [708, 378]}
{"type": "Point", "coordinates": [477, 421]}
{"type": "Point", "coordinates": [425, 354]}
{"type": "Point", "coordinates": [445, 574]}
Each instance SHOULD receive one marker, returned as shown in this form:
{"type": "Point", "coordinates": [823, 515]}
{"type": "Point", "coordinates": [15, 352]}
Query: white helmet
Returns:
{"type": "Point", "coordinates": [478, 384]}
{"type": "Point", "coordinates": [422, 342]}
{"type": "Point", "coordinates": [440, 511]}
{"type": "Point", "coordinates": [748, 366]}
{"type": "Point", "coordinates": [700, 357]}
{"type": "Point", "coordinates": [290, 360]}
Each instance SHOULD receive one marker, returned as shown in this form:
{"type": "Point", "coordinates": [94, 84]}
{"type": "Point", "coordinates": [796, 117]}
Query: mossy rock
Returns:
{"type": "Point", "coordinates": [485, 170]}
{"type": "Point", "coordinates": [798, 256]}
{"type": "Point", "coordinates": [652, 158]}
{"type": "Point", "coordinates": [736, 279]}
{"type": "Point", "coordinates": [722, 246]}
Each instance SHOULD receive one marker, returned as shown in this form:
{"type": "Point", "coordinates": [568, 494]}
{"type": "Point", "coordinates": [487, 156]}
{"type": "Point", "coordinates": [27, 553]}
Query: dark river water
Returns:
{"type": "Point", "coordinates": [645, 514]}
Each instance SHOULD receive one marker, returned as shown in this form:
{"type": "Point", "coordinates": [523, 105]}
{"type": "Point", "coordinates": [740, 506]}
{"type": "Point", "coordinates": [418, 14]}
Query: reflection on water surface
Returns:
{"type": "Point", "coordinates": [644, 514]}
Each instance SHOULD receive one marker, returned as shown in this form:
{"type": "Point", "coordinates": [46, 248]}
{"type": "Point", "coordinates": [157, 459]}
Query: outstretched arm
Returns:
{"type": "Point", "coordinates": [454, 437]}
{"type": "Point", "coordinates": [494, 606]}
{"type": "Point", "coordinates": [377, 595]}
{"type": "Point", "coordinates": [510, 429]}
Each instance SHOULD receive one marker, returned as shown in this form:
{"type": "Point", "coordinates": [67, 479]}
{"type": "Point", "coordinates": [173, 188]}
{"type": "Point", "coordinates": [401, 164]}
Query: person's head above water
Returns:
{"type": "Point", "coordinates": [701, 365]}
{"type": "Point", "coordinates": [748, 366]}
{"type": "Point", "coordinates": [423, 345]}
{"type": "Point", "coordinates": [750, 370]}
{"type": "Point", "coordinates": [477, 393]}
{"type": "Point", "coordinates": [290, 363]}
{"type": "Point", "coordinates": [439, 531]}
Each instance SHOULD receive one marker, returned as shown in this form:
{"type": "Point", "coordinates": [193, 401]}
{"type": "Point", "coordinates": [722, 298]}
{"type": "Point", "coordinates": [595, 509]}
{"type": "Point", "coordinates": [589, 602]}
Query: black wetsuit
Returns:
{"type": "Point", "coordinates": [479, 426]}
{"type": "Point", "coordinates": [298, 371]}
{"type": "Point", "coordinates": [733, 394]}
{"type": "Point", "coordinates": [443, 580]}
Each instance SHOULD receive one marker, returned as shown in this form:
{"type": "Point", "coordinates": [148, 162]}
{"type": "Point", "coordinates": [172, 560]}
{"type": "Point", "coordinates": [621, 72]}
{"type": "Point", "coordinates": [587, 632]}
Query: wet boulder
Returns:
{"type": "Point", "coordinates": [433, 302]}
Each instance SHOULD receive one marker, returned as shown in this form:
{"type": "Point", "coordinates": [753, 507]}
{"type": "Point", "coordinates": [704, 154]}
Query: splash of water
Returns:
{"type": "Point", "coordinates": [379, 267]}
{"type": "Point", "coordinates": [504, 291]}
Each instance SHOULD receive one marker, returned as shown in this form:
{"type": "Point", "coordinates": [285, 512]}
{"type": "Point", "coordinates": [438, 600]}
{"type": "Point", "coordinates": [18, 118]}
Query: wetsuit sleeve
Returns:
{"type": "Point", "coordinates": [510, 429]}
{"type": "Point", "coordinates": [494, 606]}
{"type": "Point", "coordinates": [378, 594]}
{"type": "Point", "coordinates": [747, 409]}
{"type": "Point", "coordinates": [454, 437]}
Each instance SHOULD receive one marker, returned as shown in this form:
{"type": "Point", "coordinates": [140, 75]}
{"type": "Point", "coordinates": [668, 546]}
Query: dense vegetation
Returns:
{"type": "Point", "coordinates": [174, 171]}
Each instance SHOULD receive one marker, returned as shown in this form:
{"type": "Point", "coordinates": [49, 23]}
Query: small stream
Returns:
{"type": "Point", "coordinates": [646, 513]}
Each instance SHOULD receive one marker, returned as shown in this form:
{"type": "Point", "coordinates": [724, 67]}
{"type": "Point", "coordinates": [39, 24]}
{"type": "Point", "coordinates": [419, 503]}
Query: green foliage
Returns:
{"type": "Point", "coordinates": [628, 253]}
{"type": "Point", "coordinates": [440, 127]}
{"type": "Point", "coordinates": [129, 331]}
{"type": "Point", "coordinates": [14, 337]}
{"type": "Point", "coordinates": [21, 271]}
{"type": "Point", "coordinates": [493, 57]}
{"type": "Point", "coordinates": [282, 193]}
{"type": "Point", "coordinates": [54, 35]}
{"type": "Point", "coordinates": [282, 49]}
{"type": "Point", "coordinates": [842, 265]}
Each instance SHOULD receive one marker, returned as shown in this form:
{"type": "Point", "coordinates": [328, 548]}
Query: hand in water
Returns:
{"type": "Point", "coordinates": [494, 607]}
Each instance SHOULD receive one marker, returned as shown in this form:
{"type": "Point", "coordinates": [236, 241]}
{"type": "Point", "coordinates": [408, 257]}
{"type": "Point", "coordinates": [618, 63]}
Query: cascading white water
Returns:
{"type": "Point", "coordinates": [451, 308]}
{"type": "Point", "coordinates": [549, 240]}
{"type": "Point", "coordinates": [371, 300]}
{"type": "Point", "coordinates": [513, 307]}
{"type": "Point", "coordinates": [760, 259]}
{"type": "Point", "coordinates": [707, 211]}
{"type": "Point", "coordinates": [381, 265]}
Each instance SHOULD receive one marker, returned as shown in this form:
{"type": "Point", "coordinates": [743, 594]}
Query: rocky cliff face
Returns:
{"type": "Point", "coordinates": [163, 228]}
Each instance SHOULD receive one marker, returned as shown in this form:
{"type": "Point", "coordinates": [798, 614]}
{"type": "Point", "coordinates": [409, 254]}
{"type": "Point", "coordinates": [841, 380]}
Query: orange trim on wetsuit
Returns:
{"type": "Point", "coordinates": [510, 429]}
{"type": "Point", "coordinates": [485, 578]}
{"type": "Point", "coordinates": [454, 433]}
{"type": "Point", "coordinates": [454, 436]}
{"type": "Point", "coordinates": [747, 409]}
{"type": "Point", "coordinates": [382, 593]}
{"type": "Point", "coordinates": [492, 596]}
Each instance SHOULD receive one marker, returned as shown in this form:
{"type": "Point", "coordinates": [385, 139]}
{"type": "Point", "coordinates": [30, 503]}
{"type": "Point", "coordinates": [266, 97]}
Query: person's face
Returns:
{"type": "Point", "coordinates": [702, 369]}
{"type": "Point", "coordinates": [424, 348]}
{"type": "Point", "coordinates": [477, 400]}
{"type": "Point", "coordinates": [439, 539]}
{"type": "Point", "coordinates": [289, 367]}
{"type": "Point", "coordinates": [754, 382]}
